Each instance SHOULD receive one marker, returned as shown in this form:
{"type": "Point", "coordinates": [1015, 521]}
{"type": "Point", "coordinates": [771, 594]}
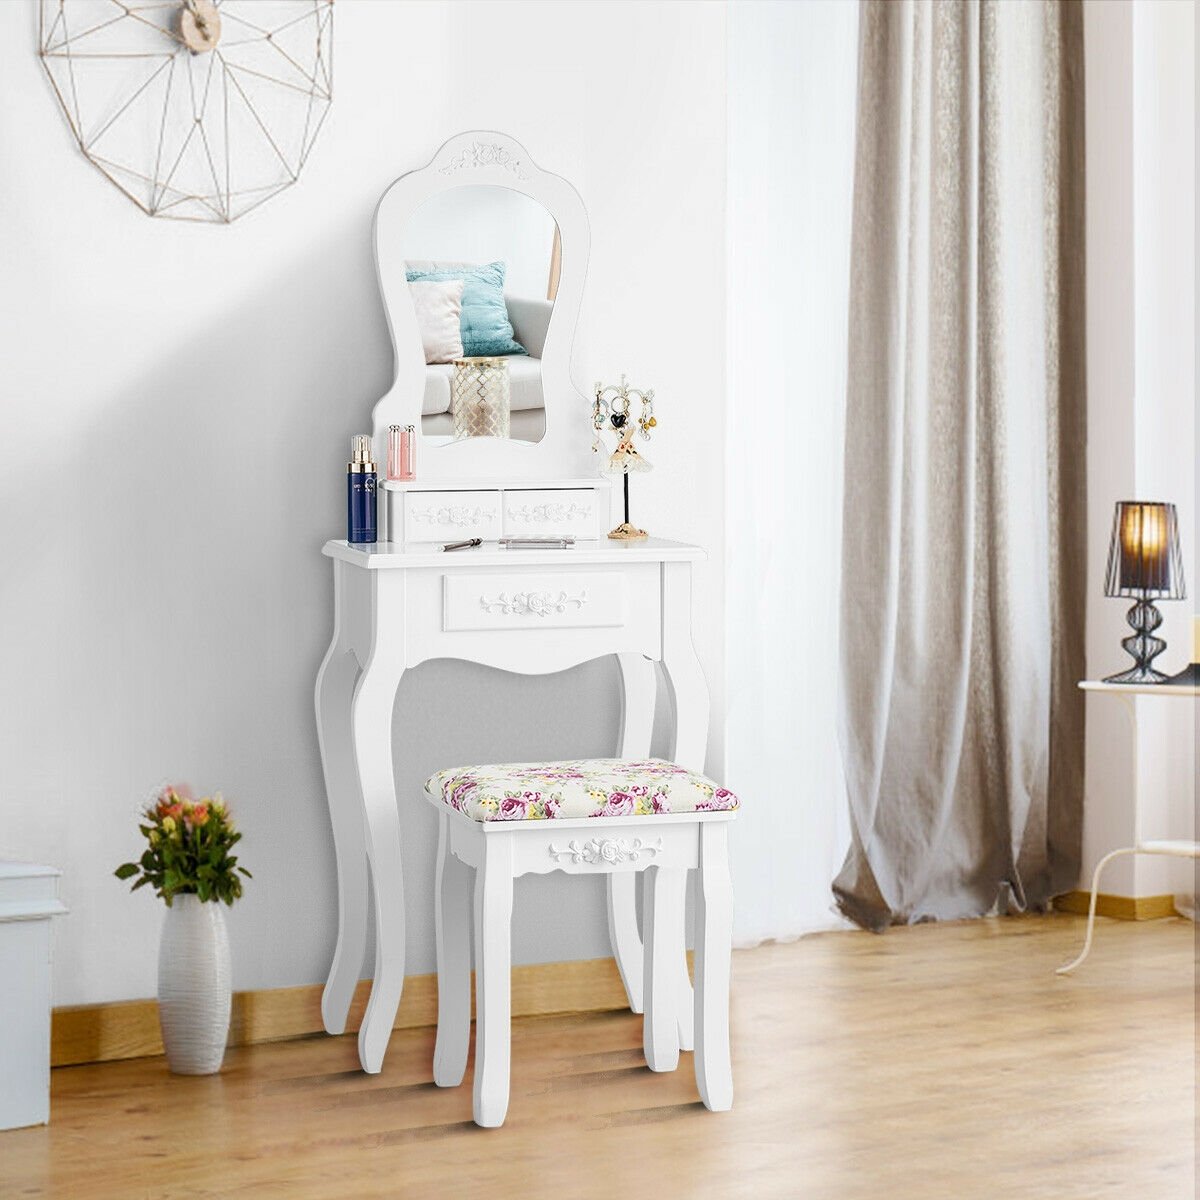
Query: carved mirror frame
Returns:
{"type": "Point", "coordinates": [473, 159]}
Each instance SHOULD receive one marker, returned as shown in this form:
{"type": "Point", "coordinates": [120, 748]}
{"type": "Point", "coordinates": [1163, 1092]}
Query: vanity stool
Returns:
{"type": "Point", "coordinates": [584, 817]}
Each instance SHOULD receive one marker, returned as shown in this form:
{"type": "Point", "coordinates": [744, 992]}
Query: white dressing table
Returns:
{"type": "Point", "coordinates": [402, 602]}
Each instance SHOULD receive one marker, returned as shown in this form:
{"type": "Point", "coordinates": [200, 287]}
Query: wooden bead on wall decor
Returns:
{"type": "Point", "coordinates": [199, 25]}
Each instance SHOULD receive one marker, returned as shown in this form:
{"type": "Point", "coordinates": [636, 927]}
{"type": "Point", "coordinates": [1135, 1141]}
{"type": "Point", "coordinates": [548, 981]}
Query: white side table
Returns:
{"type": "Point", "coordinates": [28, 901]}
{"type": "Point", "coordinates": [1126, 693]}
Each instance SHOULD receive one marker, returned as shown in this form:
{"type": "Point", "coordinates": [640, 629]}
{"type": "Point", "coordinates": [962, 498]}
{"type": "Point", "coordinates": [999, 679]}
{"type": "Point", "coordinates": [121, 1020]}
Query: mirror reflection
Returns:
{"type": "Point", "coordinates": [482, 264]}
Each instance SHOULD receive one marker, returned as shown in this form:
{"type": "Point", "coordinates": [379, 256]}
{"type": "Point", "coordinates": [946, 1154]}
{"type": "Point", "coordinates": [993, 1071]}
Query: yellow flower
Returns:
{"type": "Point", "coordinates": [154, 837]}
{"type": "Point", "coordinates": [169, 824]}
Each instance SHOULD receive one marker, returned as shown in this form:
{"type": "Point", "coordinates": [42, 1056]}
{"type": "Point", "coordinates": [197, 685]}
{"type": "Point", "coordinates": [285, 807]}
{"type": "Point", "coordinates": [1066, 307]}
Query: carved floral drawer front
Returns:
{"type": "Point", "coordinates": [522, 600]}
{"type": "Point", "coordinates": [563, 510]}
{"type": "Point", "coordinates": [603, 849]}
{"type": "Point", "coordinates": [451, 516]}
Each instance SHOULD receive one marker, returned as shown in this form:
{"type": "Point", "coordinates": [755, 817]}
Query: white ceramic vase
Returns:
{"type": "Point", "coordinates": [194, 986]}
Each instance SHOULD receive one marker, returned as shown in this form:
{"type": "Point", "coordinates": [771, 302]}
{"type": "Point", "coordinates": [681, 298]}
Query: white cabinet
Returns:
{"type": "Point", "coordinates": [28, 899]}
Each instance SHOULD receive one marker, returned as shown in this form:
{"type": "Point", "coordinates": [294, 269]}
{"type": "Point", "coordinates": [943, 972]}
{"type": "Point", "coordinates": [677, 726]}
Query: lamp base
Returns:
{"type": "Point", "coordinates": [1142, 646]}
{"type": "Point", "coordinates": [1137, 675]}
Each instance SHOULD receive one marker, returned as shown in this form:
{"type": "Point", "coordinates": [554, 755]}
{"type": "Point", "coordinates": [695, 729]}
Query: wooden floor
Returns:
{"type": "Point", "coordinates": [939, 1061]}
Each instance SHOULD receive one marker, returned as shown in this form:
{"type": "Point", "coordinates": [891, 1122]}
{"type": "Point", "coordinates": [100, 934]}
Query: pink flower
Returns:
{"type": "Point", "coordinates": [513, 808]}
{"type": "Point", "coordinates": [620, 804]}
{"type": "Point", "coordinates": [553, 808]}
{"type": "Point", "coordinates": [659, 802]}
{"type": "Point", "coordinates": [639, 790]}
{"type": "Point", "coordinates": [174, 792]}
{"type": "Point", "coordinates": [198, 815]}
{"type": "Point", "coordinates": [460, 795]}
{"type": "Point", "coordinates": [722, 801]}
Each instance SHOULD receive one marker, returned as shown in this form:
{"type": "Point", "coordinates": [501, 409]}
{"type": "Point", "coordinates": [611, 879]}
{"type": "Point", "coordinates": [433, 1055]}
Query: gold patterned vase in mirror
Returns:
{"type": "Point", "coordinates": [479, 398]}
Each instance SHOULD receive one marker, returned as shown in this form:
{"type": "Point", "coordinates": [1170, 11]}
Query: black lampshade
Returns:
{"type": "Point", "coordinates": [1144, 558]}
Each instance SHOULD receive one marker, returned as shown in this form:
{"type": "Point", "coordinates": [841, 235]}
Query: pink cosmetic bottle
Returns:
{"type": "Point", "coordinates": [401, 453]}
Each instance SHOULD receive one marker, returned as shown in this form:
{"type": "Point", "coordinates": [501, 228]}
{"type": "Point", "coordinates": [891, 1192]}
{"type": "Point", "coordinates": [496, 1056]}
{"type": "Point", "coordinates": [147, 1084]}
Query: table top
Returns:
{"type": "Point", "coordinates": [375, 556]}
{"type": "Point", "coordinates": [1139, 689]}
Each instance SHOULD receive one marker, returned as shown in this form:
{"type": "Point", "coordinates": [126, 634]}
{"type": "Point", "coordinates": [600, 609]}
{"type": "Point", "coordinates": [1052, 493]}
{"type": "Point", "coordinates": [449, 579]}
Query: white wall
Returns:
{"type": "Point", "coordinates": [175, 413]}
{"type": "Point", "coordinates": [792, 88]}
{"type": "Point", "coordinates": [1140, 71]}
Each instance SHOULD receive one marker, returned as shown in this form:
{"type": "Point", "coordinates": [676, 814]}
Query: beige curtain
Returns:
{"type": "Point", "coordinates": [963, 553]}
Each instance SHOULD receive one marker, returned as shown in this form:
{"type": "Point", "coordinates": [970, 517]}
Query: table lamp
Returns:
{"type": "Point", "coordinates": [1145, 563]}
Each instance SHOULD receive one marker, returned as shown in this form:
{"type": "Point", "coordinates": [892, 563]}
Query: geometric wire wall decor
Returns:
{"type": "Point", "coordinates": [200, 110]}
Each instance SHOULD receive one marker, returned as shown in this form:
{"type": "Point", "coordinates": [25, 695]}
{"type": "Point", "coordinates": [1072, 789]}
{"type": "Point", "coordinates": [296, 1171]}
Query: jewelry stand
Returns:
{"type": "Point", "coordinates": [611, 407]}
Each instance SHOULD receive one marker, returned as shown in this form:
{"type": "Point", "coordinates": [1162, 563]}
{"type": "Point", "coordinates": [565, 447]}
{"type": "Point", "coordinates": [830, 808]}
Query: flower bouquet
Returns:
{"type": "Point", "coordinates": [188, 859]}
{"type": "Point", "coordinates": [189, 849]}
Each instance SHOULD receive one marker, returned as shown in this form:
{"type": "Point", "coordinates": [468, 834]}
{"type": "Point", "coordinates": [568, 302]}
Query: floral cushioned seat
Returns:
{"type": "Point", "coordinates": [588, 787]}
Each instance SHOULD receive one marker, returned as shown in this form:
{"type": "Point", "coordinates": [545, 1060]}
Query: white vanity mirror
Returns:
{"type": "Point", "coordinates": [482, 264]}
{"type": "Point", "coordinates": [482, 257]}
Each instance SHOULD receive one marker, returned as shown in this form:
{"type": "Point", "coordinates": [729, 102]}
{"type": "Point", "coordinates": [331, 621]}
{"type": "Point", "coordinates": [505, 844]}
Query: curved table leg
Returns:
{"type": "Point", "coordinates": [1067, 968]}
{"type": "Point", "coordinates": [371, 720]}
{"type": "Point", "coordinates": [688, 691]}
{"type": "Point", "coordinates": [637, 724]}
{"type": "Point", "coordinates": [335, 691]}
{"type": "Point", "coordinates": [684, 676]}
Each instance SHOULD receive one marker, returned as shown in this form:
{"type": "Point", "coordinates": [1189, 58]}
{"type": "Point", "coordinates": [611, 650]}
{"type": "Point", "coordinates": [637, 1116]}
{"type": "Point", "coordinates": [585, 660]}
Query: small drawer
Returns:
{"type": "Point", "coordinates": [446, 516]}
{"type": "Point", "coordinates": [567, 600]}
{"type": "Point", "coordinates": [551, 511]}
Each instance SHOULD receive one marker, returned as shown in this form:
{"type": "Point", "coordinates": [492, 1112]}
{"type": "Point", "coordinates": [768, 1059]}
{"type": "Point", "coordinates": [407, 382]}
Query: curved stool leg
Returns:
{"type": "Point", "coordinates": [714, 939]}
{"type": "Point", "coordinates": [662, 936]}
{"type": "Point", "coordinates": [1091, 921]}
{"type": "Point", "coordinates": [452, 926]}
{"type": "Point", "coordinates": [493, 994]}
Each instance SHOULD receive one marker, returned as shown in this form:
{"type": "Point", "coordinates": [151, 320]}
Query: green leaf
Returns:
{"type": "Point", "coordinates": [125, 870]}
{"type": "Point", "coordinates": [145, 879]}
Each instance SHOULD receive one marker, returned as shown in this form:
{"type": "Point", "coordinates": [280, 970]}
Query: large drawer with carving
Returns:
{"type": "Point", "coordinates": [527, 600]}
{"type": "Point", "coordinates": [549, 511]}
{"type": "Point", "coordinates": [451, 516]}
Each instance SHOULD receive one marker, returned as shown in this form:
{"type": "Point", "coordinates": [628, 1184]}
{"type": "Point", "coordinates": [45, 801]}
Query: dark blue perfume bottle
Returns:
{"type": "Point", "coordinates": [360, 491]}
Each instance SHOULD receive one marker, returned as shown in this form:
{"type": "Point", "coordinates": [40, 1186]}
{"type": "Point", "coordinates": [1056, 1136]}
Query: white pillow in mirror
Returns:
{"type": "Point", "coordinates": [439, 306]}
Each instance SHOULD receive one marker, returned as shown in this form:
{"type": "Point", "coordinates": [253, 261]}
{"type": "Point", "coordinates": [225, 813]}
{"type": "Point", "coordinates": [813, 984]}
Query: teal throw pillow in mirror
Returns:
{"type": "Point", "coordinates": [486, 329]}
